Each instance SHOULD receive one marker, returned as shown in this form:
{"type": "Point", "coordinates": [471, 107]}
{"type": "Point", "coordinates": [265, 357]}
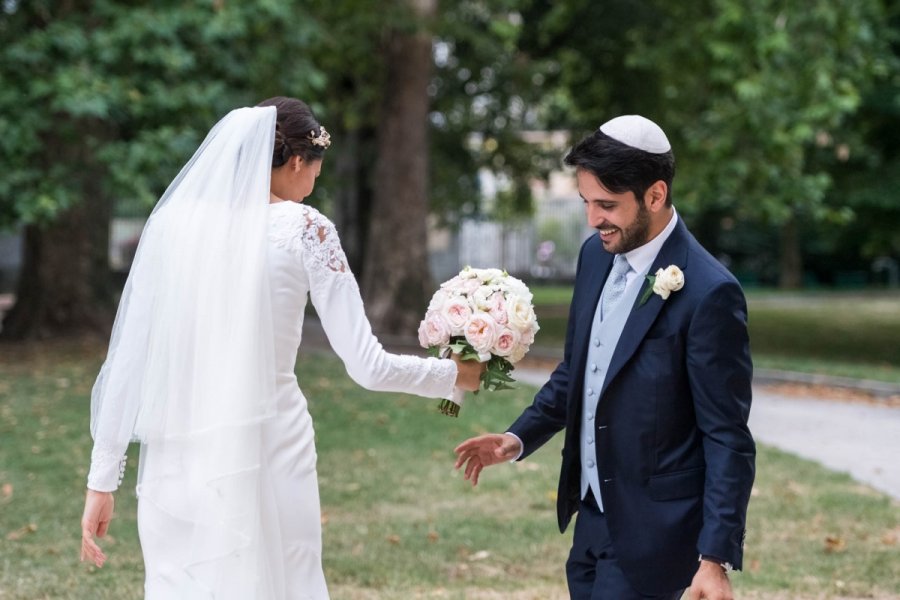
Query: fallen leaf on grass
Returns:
{"type": "Point", "coordinates": [834, 544]}
{"type": "Point", "coordinates": [393, 538]}
{"type": "Point", "coordinates": [480, 555]}
{"type": "Point", "coordinates": [433, 536]}
{"type": "Point", "coordinates": [6, 491]}
{"type": "Point", "coordinates": [21, 532]}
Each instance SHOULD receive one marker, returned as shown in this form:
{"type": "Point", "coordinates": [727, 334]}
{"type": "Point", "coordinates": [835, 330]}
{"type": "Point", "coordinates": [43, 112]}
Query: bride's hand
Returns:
{"type": "Point", "coordinates": [98, 511]}
{"type": "Point", "coordinates": [468, 374]}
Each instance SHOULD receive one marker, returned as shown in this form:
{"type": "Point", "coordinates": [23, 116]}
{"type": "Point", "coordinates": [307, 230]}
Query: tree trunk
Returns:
{"type": "Point", "coordinates": [353, 197]}
{"type": "Point", "coordinates": [65, 286]}
{"type": "Point", "coordinates": [791, 258]}
{"type": "Point", "coordinates": [396, 279]}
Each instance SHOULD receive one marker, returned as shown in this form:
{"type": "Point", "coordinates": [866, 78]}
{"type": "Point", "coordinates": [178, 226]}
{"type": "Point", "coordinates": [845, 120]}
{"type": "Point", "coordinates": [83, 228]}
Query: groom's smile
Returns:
{"type": "Point", "coordinates": [622, 222]}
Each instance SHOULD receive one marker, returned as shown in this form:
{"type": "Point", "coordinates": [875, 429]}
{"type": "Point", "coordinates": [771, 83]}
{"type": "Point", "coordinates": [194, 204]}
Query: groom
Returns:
{"type": "Point", "coordinates": [653, 391]}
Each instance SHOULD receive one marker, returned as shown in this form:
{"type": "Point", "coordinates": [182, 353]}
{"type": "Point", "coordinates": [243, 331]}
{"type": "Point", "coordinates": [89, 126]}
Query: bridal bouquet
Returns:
{"type": "Point", "coordinates": [484, 315]}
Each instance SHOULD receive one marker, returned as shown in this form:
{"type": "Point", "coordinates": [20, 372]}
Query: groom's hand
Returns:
{"type": "Point", "coordinates": [710, 583]}
{"type": "Point", "coordinates": [485, 450]}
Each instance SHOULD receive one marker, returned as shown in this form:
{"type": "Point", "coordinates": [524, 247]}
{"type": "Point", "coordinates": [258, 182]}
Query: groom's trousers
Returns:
{"type": "Point", "coordinates": [593, 570]}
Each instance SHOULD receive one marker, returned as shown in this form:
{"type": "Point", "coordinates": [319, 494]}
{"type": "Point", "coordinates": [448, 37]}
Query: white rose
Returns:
{"type": "Point", "coordinates": [468, 273]}
{"type": "Point", "coordinates": [668, 280]}
{"type": "Point", "coordinates": [482, 298]}
{"type": "Point", "coordinates": [520, 312]}
{"type": "Point", "coordinates": [518, 353]}
{"type": "Point", "coordinates": [515, 286]}
{"type": "Point", "coordinates": [489, 275]}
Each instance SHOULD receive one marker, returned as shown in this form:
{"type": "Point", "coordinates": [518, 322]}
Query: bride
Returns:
{"type": "Point", "coordinates": [200, 368]}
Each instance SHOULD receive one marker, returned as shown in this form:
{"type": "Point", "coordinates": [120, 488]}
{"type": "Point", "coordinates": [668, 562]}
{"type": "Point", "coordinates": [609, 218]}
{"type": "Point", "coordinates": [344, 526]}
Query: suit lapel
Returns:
{"type": "Point", "coordinates": [642, 317]}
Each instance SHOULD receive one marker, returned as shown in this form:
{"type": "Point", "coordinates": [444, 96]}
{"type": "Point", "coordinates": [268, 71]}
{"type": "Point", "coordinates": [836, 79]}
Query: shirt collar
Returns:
{"type": "Point", "coordinates": [642, 257]}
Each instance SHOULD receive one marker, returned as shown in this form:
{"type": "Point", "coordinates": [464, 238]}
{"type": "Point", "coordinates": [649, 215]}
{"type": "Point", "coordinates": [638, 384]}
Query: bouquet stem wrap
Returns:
{"type": "Point", "coordinates": [450, 406]}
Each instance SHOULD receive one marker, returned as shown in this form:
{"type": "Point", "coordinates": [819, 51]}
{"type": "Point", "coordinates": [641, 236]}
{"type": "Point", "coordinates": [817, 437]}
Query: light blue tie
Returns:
{"type": "Point", "coordinates": [615, 285]}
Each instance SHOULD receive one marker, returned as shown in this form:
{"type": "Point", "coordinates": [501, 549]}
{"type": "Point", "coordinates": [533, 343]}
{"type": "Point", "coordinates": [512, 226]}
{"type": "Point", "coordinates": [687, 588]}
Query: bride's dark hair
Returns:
{"type": "Point", "coordinates": [295, 128]}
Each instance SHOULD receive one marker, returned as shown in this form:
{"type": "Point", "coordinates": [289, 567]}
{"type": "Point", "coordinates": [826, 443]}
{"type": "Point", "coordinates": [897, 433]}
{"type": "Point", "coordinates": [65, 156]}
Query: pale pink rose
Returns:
{"type": "Point", "coordinates": [434, 330]}
{"type": "Point", "coordinates": [470, 286]}
{"type": "Point", "coordinates": [438, 300]}
{"type": "Point", "coordinates": [506, 342]}
{"type": "Point", "coordinates": [455, 280]}
{"type": "Point", "coordinates": [497, 308]}
{"type": "Point", "coordinates": [528, 337]}
{"type": "Point", "coordinates": [481, 332]}
{"type": "Point", "coordinates": [456, 312]}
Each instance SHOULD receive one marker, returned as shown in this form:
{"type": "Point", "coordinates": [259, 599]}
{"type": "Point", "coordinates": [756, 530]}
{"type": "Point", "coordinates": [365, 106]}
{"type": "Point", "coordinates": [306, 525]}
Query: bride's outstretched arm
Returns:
{"type": "Point", "coordinates": [336, 297]}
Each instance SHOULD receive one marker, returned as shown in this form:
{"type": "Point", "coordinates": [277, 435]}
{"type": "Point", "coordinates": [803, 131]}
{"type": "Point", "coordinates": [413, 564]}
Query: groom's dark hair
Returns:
{"type": "Point", "coordinates": [622, 168]}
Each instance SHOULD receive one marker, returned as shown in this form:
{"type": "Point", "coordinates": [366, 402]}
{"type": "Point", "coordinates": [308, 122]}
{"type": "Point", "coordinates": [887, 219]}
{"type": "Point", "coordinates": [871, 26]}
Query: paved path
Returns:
{"type": "Point", "coordinates": [860, 439]}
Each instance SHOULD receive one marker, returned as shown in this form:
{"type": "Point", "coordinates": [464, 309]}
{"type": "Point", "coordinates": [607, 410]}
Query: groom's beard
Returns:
{"type": "Point", "coordinates": [633, 236]}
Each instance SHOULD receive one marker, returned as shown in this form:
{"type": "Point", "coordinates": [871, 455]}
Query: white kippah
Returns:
{"type": "Point", "coordinates": [638, 132]}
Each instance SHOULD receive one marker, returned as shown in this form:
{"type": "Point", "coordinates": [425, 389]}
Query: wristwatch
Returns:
{"type": "Point", "coordinates": [726, 566]}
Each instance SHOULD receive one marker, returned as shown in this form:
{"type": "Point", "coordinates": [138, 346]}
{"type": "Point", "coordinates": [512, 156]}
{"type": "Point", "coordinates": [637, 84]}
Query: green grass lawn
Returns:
{"type": "Point", "coordinates": [838, 333]}
{"type": "Point", "coordinates": [399, 523]}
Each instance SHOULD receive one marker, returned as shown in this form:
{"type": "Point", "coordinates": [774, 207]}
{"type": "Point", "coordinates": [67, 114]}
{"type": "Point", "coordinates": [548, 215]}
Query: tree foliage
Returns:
{"type": "Point", "coordinates": [784, 115]}
{"type": "Point", "coordinates": [100, 103]}
{"type": "Point", "coordinates": [133, 86]}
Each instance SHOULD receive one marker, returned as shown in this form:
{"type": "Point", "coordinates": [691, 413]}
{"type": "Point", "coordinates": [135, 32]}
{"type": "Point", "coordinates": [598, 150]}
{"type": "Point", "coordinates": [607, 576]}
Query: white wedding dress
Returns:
{"type": "Point", "coordinates": [305, 258]}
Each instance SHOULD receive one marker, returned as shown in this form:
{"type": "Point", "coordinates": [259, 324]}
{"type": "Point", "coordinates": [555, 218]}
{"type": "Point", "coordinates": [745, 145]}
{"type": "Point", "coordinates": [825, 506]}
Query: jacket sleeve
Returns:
{"type": "Point", "coordinates": [549, 412]}
{"type": "Point", "coordinates": [720, 373]}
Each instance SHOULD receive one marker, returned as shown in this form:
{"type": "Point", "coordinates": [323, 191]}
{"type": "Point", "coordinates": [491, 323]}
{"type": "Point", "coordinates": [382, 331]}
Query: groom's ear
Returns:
{"type": "Point", "coordinates": [655, 196]}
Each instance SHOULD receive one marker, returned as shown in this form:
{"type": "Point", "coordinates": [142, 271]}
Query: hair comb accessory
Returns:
{"type": "Point", "coordinates": [323, 139]}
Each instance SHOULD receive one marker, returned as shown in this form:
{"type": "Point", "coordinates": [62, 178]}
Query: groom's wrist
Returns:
{"type": "Point", "coordinates": [521, 446]}
{"type": "Point", "coordinates": [724, 564]}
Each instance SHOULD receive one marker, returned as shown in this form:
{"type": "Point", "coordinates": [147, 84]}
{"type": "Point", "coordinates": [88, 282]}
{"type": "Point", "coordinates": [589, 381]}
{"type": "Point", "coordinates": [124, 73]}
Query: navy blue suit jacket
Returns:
{"type": "Point", "coordinates": [674, 454]}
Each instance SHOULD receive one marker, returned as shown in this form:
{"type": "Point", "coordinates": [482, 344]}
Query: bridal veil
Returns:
{"type": "Point", "coordinates": [190, 370]}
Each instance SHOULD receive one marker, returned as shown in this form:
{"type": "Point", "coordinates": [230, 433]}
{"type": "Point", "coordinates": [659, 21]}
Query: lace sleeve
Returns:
{"type": "Point", "coordinates": [107, 467]}
{"type": "Point", "coordinates": [336, 297]}
{"type": "Point", "coordinates": [321, 245]}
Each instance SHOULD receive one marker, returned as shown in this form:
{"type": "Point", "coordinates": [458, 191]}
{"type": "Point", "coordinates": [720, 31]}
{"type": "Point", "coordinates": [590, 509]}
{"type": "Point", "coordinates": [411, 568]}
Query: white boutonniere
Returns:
{"type": "Point", "coordinates": [664, 282]}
